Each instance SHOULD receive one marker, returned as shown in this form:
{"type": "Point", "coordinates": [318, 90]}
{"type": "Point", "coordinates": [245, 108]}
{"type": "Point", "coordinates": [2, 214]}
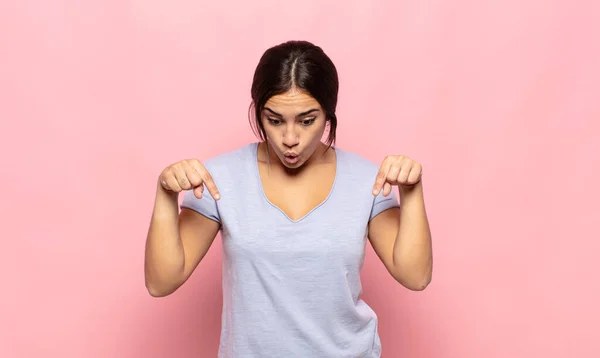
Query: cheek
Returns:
{"type": "Point", "coordinates": [318, 130]}
{"type": "Point", "coordinates": [270, 131]}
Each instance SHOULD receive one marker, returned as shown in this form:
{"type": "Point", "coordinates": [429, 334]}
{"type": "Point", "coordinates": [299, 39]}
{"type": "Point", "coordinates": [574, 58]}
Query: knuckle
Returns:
{"type": "Point", "coordinates": [200, 169]}
{"type": "Point", "coordinates": [195, 181]}
{"type": "Point", "coordinates": [191, 174]}
{"type": "Point", "coordinates": [195, 163]}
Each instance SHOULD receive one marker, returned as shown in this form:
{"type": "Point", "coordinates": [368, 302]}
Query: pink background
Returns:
{"type": "Point", "coordinates": [499, 100]}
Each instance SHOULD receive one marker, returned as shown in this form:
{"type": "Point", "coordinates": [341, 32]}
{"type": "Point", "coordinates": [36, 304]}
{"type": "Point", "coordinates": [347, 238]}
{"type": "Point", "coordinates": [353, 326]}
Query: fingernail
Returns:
{"type": "Point", "coordinates": [217, 196]}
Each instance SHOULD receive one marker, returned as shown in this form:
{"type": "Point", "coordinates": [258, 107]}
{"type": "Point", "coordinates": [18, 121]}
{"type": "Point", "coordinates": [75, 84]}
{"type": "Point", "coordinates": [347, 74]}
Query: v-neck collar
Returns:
{"type": "Point", "coordinates": [255, 147]}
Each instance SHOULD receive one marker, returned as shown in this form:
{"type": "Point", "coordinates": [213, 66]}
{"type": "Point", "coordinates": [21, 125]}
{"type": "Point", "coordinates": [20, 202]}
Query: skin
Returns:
{"type": "Point", "coordinates": [294, 123]}
{"type": "Point", "coordinates": [406, 249]}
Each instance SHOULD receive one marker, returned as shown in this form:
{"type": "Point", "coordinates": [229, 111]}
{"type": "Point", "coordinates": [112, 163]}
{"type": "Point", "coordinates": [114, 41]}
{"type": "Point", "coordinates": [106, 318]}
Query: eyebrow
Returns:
{"type": "Point", "coordinates": [299, 114]}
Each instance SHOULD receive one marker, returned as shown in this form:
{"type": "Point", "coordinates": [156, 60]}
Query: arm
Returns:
{"type": "Point", "coordinates": [175, 245]}
{"type": "Point", "coordinates": [402, 239]}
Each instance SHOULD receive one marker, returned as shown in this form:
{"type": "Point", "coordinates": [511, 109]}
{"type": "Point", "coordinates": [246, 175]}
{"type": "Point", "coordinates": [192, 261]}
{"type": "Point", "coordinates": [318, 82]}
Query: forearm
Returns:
{"type": "Point", "coordinates": [412, 253]}
{"type": "Point", "coordinates": [164, 258]}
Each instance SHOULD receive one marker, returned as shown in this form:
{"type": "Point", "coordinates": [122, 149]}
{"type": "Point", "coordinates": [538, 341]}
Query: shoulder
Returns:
{"type": "Point", "coordinates": [357, 164]}
{"type": "Point", "coordinates": [231, 160]}
{"type": "Point", "coordinates": [226, 168]}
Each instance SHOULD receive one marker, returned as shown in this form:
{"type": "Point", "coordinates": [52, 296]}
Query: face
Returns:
{"type": "Point", "coordinates": [294, 123]}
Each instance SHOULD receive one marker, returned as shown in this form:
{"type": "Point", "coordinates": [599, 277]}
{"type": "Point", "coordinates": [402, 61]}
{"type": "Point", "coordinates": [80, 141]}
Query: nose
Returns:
{"type": "Point", "coordinates": [290, 137]}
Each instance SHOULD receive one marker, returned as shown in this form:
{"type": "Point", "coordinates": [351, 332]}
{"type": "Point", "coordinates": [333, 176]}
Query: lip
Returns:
{"type": "Point", "coordinates": [291, 158]}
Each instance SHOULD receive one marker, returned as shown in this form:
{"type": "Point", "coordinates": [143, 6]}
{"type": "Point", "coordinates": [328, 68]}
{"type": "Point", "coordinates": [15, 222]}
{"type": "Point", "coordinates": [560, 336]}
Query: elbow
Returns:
{"type": "Point", "coordinates": [160, 283]}
{"type": "Point", "coordinates": [414, 280]}
{"type": "Point", "coordinates": [418, 284]}
{"type": "Point", "coordinates": [157, 292]}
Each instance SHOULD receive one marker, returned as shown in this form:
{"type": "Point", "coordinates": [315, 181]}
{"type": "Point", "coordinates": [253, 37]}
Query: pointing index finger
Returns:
{"type": "Point", "coordinates": [381, 177]}
{"type": "Point", "coordinates": [212, 188]}
{"type": "Point", "coordinates": [207, 181]}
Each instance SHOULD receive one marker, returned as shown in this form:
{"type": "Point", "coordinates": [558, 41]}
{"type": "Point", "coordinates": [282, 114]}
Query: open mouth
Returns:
{"type": "Point", "coordinates": [291, 158]}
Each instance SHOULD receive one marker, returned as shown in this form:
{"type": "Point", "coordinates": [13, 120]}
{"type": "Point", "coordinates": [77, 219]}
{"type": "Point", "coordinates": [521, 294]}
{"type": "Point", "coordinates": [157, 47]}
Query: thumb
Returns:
{"type": "Point", "coordinates": [198, 191]}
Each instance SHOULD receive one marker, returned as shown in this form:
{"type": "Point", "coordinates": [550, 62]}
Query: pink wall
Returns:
{"type": "Point", "coordinates": [499, 100]}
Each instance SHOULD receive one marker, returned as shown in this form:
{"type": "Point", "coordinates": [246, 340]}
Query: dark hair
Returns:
{"type": "Point", "coordinates": [295, 64]}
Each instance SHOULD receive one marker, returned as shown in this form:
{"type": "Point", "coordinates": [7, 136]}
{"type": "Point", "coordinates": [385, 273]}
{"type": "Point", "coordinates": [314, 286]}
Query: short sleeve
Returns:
{"type": "Point", "coordinates": [206, 205]}
{"type": "Point", "coordinates": [381, 203]}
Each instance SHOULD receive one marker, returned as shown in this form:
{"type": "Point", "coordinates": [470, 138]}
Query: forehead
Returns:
{"type": "Point", "coordinates": [292, 101]}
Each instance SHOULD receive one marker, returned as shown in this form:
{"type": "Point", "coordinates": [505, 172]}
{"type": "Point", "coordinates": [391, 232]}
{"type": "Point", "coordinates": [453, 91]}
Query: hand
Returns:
{"type": "Point", "coordinates": [188, 174]}
{"type": "Point", "coordinates": [397, 170]}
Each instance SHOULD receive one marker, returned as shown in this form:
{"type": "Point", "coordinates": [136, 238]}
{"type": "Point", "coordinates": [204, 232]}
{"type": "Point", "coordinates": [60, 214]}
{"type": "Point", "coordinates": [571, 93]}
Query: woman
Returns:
{"type": "Point", "coordinates": [295, 214]}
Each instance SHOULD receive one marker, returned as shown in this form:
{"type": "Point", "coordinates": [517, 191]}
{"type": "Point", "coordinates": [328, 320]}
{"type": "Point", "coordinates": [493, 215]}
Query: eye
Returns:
{"type": "Point", "coordinates": [274, 121]}
{"type": "Point", "coordinates": [308, 122]}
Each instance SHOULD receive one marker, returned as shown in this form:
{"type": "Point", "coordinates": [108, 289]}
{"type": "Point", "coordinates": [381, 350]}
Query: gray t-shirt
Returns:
{"type": "Point", "coordinates": [291, 288]}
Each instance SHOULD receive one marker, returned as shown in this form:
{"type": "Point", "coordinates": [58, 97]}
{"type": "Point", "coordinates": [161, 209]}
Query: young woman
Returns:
{"type": "Point", "coordinates": [295, 214]}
